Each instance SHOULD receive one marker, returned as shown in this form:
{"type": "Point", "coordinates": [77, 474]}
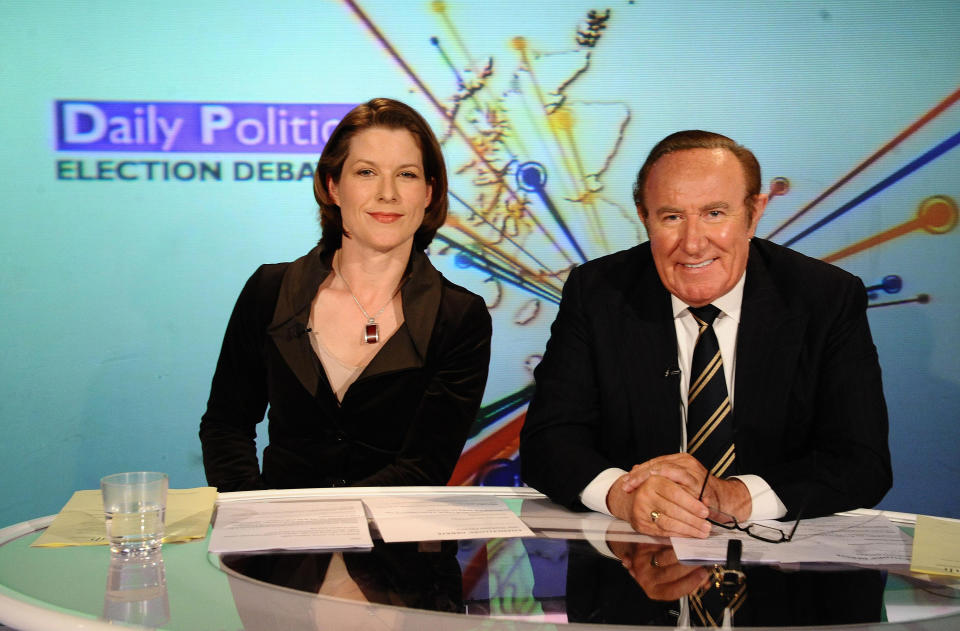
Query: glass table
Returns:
{"type": "Point", "coordinates": [570, 574]}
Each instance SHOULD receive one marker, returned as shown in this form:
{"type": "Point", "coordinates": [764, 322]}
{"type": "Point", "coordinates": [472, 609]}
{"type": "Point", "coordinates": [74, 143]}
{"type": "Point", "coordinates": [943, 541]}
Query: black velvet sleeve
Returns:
{"type": "Point", "coordinates": [238, 393]}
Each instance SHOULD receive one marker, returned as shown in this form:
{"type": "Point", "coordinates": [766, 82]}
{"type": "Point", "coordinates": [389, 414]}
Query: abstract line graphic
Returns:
{"type": "Point", "coordinates": [527, 188]}
{"type": "Point", "coordinates": [890, 180]}
{"type": "Point", "coordinates": [938, 109]}
{"type": "Point", "coordinates": [530, 149]}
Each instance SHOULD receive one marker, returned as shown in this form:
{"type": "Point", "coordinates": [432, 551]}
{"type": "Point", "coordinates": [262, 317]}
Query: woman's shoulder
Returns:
{"type": "Point", "coordinates": [295, 282]}
{"type": "Point", "coordinates": [457, 293]}
{"type": "Point", "coordinates": [261, 293]}
{"type": "Point", "coordinates": [265, 282]}
{"type": "Point", "coordinates": [460, 303]}
{"type": "Point", "coordinates": [425, 280]}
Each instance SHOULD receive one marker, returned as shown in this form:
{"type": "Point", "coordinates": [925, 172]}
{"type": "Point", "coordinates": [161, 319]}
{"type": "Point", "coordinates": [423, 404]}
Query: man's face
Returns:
{"type": "Point", "coordinates": [698, 223]}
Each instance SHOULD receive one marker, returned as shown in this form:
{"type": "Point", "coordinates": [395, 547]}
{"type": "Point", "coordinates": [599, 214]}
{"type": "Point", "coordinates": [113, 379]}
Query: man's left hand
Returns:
{"type": "Point", "coordinates": [728, 496]}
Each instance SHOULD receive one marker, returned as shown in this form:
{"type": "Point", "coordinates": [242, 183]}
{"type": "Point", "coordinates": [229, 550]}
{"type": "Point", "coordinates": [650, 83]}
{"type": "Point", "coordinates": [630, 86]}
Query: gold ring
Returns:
{"type": "Point", "coordinates": [653, 561]}
{"type": "Point", "coordinates": [654, 516]}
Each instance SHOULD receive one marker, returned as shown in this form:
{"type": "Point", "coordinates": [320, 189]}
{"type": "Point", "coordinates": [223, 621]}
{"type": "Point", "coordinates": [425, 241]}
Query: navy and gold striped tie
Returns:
{"type": "Point", "coordinates": [709, 426]}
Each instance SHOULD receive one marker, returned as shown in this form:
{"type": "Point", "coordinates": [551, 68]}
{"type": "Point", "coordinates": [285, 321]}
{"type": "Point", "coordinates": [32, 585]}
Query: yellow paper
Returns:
{"type": "Point", "coordinates": [936, 546]}
{"type": "Point", "coordinates": [80, 522]}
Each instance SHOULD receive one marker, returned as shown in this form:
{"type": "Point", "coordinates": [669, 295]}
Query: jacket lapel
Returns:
{"type": "Point", "coordinates": [768, 344]}
{"type": "Point", "coordinates": [407, 348]}
{"type": "Point", "coordinates": [292, 314]}
{"type": "Point", "coordinates": [420, 295]}
{"type": "Point", "coordinates": [649, 355]}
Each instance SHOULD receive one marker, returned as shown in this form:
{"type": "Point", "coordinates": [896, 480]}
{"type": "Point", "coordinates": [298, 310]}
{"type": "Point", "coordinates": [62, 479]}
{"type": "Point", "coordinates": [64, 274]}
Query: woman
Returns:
{"type": "Point", "coordinates": [372, 364]}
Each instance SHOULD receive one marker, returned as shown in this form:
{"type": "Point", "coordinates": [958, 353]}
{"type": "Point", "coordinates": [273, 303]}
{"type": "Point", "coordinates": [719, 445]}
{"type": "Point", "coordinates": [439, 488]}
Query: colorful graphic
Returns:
{"type": "Point", "coordinates": [530, 197]}
{"type": "Point", "coordinates": [155, 158]}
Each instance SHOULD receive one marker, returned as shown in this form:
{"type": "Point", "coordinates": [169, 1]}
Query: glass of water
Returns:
{"type": "Point", "coordinates": [134, 506]}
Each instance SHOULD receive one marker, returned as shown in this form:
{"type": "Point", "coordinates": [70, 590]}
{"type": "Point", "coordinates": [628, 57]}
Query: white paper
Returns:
{"type": "Point", "coordinates": [301, 525]}
{"type": "Point", "coordinates": [860, 540]}
{"type": "Point", "coordinates": [441, 517]}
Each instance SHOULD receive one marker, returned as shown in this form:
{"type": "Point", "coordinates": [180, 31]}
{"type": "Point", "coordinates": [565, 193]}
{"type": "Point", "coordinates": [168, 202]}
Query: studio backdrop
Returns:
{"type": "Point", "coordinates": [153, 154]}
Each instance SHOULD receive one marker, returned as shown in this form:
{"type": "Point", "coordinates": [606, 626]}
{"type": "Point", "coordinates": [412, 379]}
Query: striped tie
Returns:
{"type": "Point", "coordinates": [709, 430]}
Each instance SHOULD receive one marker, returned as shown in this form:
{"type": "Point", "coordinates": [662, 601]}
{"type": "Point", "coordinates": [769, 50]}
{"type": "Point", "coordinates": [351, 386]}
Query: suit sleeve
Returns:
{"type": "Point", "coordinates": [449, 405]}
{"type": "Point", "coordinates": [843, 461]}
{"type": "Point", "coordinates": [559, 452]}
{"type": "Point", "coordinates": [238, 393]}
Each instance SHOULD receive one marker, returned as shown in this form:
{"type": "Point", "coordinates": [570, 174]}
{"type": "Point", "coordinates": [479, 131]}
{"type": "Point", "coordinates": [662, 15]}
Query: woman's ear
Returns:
{"type": "Point", "coordinates": [333, 190]}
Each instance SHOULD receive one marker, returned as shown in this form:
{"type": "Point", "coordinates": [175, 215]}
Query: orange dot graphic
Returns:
{"type": "Point", "coordinates": [938, 214]}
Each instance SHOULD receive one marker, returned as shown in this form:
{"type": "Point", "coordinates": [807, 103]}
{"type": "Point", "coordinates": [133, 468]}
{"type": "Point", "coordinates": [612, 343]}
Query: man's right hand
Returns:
{"type": "Point", "coordinates": [664, 502]}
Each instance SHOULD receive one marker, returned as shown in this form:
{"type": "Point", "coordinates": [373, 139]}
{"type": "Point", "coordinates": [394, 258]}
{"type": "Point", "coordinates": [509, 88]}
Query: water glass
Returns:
{"type": "Point", "coordinates": [134, 506]}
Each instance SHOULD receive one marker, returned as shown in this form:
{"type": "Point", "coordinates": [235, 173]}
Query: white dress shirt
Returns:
{"type": "Point", "coordinates": [765, 503]}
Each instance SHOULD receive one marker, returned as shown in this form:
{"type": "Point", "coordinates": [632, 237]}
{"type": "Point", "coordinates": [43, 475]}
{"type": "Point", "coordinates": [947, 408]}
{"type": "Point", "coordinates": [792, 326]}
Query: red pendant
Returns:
{"type": "Point", "coordinates": [371, 333]}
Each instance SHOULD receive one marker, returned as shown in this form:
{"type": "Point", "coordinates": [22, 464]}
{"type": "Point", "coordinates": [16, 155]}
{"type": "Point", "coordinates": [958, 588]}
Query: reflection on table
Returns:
{"type": "Point", "coordinates": [136, 591]}
{"type": "Point", "coordinates": [580, 568]}
{"type": "Point", "coordinates": [539, 579]}
{"type": "Point", "coordinates": [600, 589]}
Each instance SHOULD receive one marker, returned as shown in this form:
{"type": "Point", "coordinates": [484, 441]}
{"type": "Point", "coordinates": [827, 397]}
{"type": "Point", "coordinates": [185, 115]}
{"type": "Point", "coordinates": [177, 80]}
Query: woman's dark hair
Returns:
{"type": "Point", "coordinates": [390, 114]}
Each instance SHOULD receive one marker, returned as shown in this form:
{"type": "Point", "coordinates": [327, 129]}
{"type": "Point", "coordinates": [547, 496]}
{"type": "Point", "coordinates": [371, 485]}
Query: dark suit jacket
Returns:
{"type": "Point", "coordinates": [809, 414]}
{"type": "Point", "coordinates": [402, 422]}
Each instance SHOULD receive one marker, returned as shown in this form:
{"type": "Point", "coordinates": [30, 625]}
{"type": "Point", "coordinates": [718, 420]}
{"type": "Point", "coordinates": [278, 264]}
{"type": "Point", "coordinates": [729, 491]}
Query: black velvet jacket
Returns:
{"type": "Point", "coordinates": [402, 422]}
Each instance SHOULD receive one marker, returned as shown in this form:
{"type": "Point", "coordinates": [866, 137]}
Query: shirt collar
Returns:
{"type": "Point", "coordinates": [729, 303]}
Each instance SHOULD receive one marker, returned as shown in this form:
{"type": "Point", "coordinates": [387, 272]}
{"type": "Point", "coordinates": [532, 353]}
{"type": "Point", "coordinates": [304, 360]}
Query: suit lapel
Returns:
{"type": "Point", "coordinates": [649, 355]}
{"type": "Point", "coordinates": [768, 344]}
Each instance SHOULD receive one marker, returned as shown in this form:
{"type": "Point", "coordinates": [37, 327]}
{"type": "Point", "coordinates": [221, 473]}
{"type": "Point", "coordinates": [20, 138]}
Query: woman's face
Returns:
{"type": "Point", "coordinates": [382, 192]}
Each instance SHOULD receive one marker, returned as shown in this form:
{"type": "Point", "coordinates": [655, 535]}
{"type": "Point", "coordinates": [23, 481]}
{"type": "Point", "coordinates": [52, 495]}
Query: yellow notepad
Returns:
{"type": "Point", "coordinates": [80, 522]}
{"type": "Point", "coordinates": [936, 546]}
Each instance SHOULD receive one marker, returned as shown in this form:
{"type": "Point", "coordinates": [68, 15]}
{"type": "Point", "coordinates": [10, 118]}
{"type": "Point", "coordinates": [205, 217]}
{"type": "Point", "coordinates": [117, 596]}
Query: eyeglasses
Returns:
{"type": "Point", "coordinates": [757, 531]}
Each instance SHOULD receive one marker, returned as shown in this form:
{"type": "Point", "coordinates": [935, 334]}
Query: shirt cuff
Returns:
{"type": "Point", "coordinates": [594, 528]}
{"type": "Point", "coordinates": [594, 495]}
{"type": "Point", "coordinates": [765, 503]}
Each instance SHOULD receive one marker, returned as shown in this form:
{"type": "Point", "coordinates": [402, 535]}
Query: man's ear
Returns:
{"type": "Point", "coordinates": [759, 205]}
{"type": "Point", "coordinates": [643, 219]}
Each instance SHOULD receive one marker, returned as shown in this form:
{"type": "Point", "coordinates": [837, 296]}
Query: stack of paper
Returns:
{"type": "Point", "coordinates": [936, 546]}
{"type": "Point", "coordinates": [293, 525]}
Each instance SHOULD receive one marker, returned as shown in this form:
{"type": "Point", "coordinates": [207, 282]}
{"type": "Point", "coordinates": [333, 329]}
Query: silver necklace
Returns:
{"type": "Point", "coordinates": [371, 330]}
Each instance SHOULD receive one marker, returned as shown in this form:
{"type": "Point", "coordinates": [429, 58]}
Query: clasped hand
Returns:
{"type": "Point", "coordinates": [660, 497]}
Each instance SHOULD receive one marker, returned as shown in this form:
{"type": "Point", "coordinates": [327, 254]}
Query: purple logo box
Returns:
{"type": "Point", "coordinates": [196, 127]}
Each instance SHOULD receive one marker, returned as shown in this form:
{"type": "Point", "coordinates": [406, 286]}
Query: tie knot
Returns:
{"type": "Point", "coordinates": [706, 313]}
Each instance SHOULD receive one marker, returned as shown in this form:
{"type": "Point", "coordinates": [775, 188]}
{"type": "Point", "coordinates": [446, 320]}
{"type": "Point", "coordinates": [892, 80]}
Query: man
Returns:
{"type": "Point", "coordinates": [795, 421]}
